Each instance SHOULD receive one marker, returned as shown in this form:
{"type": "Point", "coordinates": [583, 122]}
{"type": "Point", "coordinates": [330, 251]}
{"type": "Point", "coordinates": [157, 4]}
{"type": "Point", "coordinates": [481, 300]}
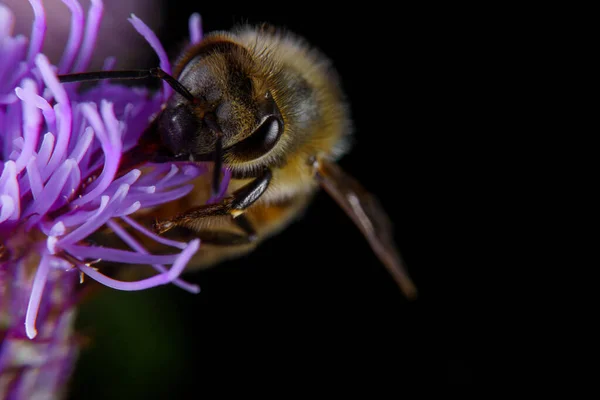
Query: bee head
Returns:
{"type": "Point", "coordinates": [230, 105]}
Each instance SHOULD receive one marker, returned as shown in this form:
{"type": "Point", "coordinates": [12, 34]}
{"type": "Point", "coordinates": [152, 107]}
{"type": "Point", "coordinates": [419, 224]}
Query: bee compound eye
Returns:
{"type": "Point", "coordinates": [262, 140]}
{"type": "Point", "coordinates": [269, 131]}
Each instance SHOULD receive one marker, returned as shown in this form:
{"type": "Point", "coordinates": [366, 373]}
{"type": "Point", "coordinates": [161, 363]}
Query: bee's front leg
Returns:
{"type": "Point", "coordinates": [233, 205]}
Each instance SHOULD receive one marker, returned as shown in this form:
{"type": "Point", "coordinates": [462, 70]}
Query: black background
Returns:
{"type": "Point", "coordinates": [313, 309]}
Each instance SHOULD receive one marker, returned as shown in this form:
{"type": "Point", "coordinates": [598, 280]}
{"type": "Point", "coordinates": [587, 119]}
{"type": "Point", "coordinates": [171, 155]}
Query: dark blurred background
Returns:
{"type": "Point", "coordinates": [313, 308]}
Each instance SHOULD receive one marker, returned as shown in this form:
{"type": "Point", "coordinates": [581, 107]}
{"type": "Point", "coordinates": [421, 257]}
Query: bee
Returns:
{"type": "Point", "coordinates": [269, 108]}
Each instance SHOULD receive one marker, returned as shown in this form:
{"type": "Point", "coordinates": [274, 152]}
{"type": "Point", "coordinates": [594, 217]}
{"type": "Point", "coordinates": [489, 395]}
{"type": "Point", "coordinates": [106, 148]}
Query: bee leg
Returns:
{"type": "Point", "coordinates": [234, 205]}
{"type": "Point", "coordinates": [218, 238]}
{"type": "Point", "coordinates": [223, 238]}
{"type": "Point", "coordinates": [244, 224]}
{"type": "Point", "coordinates": [245, 196]}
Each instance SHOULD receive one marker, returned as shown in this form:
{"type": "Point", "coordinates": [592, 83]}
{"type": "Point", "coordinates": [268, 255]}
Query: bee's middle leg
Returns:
{"type": "Point", "coordinates": [233, 206]}
{"type": "Point", "coordinates": [222, 237]}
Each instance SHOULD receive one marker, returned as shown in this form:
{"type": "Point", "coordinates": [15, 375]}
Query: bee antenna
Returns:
{"type": "Point", "coordinates": [130, 74]}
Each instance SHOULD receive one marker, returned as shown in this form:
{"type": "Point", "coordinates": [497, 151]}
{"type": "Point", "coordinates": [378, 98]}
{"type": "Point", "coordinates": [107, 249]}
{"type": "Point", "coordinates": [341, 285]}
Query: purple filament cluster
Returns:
{"type": "Point", "coordinates": [53, 138]}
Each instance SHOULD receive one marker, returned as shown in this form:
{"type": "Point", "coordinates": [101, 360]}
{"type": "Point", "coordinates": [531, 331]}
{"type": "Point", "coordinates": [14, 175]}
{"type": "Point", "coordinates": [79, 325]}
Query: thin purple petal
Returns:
{"type": "Point", "coordinates": [75, 35]}
{"type": "Point", "coordinates": [50, 79]}
{"type": "Point", "coordinates": [38, 30]}
{"type": "Point", "coordinates": [35, 99]}
{"type": "Point", "coordinates": [143, 190]}
{"type": "Point", "coordinates": [37, 290]}
{"type": "Point", "coordinates": [83, 145]}
{"type": "Point", "coordinates": [63, 113]}
{"type": "Point", "coordinates": [150, 177]}
{"type": "Point", "coordinates": [153, 41]}
{"type": "Point", "coordinates": [188, 172]}
{"type": "Point", "coordinates": [129, 209]}
{"type": "Point", "coordinates": [165, 197]}
{"type": "Point", "coordinates": [45, 150]}
{"type": "Point", "coordinates": [10, 187]}
{"type": "Point", "coordinates": [112, 124]}
{"type": "Point", "coordinates": [51, 190]}
{"type": "Point", "coordinates": [57, 229]}
{"type": "Point", "coordinates": [168, 176]}
{"type": "Point", "coordinates": [77, 217]}
{"type": "Point", "coordinates": [35, 180]}
{"type": "Point", "coordinates": [7, 207]}
{"type": "Point", "coordinates": [71, 186]}
{"type": "Point", "coordinates": [128, 179]}
{"type": "Point", "coordinates": [32, 118]}
{"type": "Point", "coordinates": [162, 279]}
{"type": "Point", "coordinates": [131, 242]}
{"type": "Point", "coordinates": [153, 235]}
{"type": "Point", "coordinates": [94, 18]}
{"type": "Point", "coordinates": [109, 64]}
{"type": "Point", "coordinates": [195, 26]}
{"type": "Point", "coordinates": [121, 256]}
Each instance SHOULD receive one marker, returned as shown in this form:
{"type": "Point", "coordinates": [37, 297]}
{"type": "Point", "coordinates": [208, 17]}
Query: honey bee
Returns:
{"type": "Point", "coordinates": [268, 107]}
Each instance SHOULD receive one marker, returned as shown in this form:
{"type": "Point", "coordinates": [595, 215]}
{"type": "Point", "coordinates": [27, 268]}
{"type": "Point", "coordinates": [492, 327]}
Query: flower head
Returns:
{"type": "Point", "coordinates": [60, 150]}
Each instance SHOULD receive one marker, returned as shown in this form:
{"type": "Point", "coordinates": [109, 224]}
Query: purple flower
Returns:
{"type": "Point", "coordinates": [53, 140]}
